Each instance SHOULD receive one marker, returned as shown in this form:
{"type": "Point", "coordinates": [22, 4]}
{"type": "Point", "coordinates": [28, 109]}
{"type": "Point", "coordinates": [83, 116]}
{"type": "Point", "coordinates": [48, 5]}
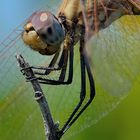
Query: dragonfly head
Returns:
{"type": "Point", "coordinates": [43, 33]}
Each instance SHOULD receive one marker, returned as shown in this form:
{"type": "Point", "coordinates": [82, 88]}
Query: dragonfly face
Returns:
{"type": "Point", "coordinates": [43, 33]}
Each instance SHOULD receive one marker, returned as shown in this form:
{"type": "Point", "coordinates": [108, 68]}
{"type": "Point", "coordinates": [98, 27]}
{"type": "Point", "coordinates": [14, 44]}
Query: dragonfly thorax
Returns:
{"type": "Point", "coordinates": [43, 33]}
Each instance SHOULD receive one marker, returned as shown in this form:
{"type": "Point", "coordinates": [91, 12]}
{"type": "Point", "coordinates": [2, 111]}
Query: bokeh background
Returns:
{"type": "Point", "coordinates": [123, 123]}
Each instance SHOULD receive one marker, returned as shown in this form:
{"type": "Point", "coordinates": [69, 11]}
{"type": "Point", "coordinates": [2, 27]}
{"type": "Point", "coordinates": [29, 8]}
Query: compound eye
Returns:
{"type": "Point", "coordinates": [54, 34]}
{"type": "Point", "coordinates": [48, 27]}
{"type": "Point", "coordinates": [43, 36]}
{"type": "Point", "coordinates": [49, 31]}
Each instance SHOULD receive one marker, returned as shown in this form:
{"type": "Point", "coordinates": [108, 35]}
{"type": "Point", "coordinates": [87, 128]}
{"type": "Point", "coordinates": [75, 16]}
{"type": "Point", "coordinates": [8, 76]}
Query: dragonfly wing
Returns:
{"type": "Point", "coordinates": [116, 56]}
{"type": "Point", "coordinates": [115, 64]}
{"type": "Point", "coordinates": [136, 3]}
{"type": "Point", "coordinates": [115, 61]}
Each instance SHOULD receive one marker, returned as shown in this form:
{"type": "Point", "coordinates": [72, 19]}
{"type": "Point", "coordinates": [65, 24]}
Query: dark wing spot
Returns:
{"type": "Point", "coordinates": [49, 30]}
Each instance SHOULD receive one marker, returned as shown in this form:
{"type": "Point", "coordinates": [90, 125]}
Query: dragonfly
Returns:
{"type": "Point", "coordinates": [57, 35]}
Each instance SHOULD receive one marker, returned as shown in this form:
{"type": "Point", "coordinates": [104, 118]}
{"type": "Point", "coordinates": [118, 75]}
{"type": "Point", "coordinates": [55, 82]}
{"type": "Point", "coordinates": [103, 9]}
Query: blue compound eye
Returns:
{"type": "Point", "coordinates": [48, 28]}
{"type": "Point", "coordinates": [54, 33]}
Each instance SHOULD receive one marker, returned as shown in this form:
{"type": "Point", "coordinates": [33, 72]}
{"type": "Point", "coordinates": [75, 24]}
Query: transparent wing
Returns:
{"type": "Point", "coordinates": [115, 64]}
{"type": "Point", "coordinates": [118, 62]}
{"type": "Point", "coordinates": [20, 115]}
{"type": "Point", "coordinates": [115, 61]}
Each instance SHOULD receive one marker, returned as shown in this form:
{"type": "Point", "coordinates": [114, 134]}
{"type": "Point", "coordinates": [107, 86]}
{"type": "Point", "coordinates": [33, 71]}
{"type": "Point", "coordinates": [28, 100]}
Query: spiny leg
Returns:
{"type": "Point", "coordinates": [84, 65]}
{"type": "Point", "coordinates": [63, 64]}
{"type": "Point", "coordinates": [82, 92]}
{"type": "Point", "coordinates": [70, 73]}
{"type": "Point", "coordinates": [49, 68]}
{"type": "Point", "coordinates": [92, 89]}
{"type": "Point", "coordinates": [52, 63]}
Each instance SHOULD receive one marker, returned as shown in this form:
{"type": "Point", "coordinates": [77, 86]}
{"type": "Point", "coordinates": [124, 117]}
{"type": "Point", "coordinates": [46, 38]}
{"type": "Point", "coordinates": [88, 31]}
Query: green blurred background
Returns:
{"type": "Point", "coordinates": [122, 123]}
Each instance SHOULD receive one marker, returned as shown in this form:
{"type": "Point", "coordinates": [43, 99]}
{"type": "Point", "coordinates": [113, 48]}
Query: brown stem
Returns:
{"type": "Point", "coordinates": [50, 127]}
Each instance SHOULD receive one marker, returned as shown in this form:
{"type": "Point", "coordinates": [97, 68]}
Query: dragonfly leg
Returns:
{"type": "Point", "coordinates": [68, 52]}
{"type": "Point", "coordinates": [61, 80]}
{"type": "Point", "coordinates": [50, 67]}
{"type": "Point", "coordinates": [52, 63]}
{"type": "Point", "coordinates": [82, 94]}
{"type": "Point", "coordinates": [92, 90]}
{"type": "Point", "coordinates": [46, 69]}
{"type": "Point", "coordinates": [63, 64]}
{"type": "Point", "coordinates": [84, 66]}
